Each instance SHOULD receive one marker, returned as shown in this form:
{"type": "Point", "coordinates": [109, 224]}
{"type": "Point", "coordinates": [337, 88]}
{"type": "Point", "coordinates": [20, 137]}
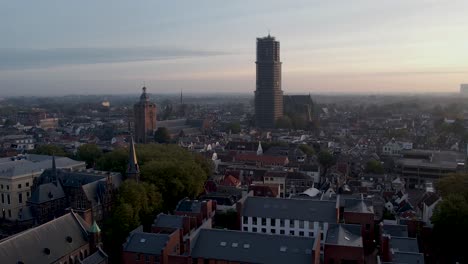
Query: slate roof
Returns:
{"type": "Point", "coordinates": [96, 258]}
{"type": "Point", "coordinates": [396, 230]}
{"type": "Point", "coordinates": [47, 192]}
{"type": "Point", "coordinates": [186, 205]}
{"type": "Point", "coordinates": [172, 221]}
{"type": "Point", "coordinates": [407, 258]}
{"type": "Point", "coordinates": [344, 235]}
{"type": "Point", "coordinates": [30, 245]}
{"type": "Point", "coordinates": [246, 247]}
{"type": "Point", "coordinates": [404, 244]}
{"type": "Point", "coordinates": [296, 209]}
{"type": "Point", "coordinates": [146, 243]}
{"type": "Point", "coordinates": [359, 206]}
{"type": "Point", "coordinates": [15, 168]}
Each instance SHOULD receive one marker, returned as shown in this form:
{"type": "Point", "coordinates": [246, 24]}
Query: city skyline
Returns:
{"type": "Point", "coordinates": [56, 48]}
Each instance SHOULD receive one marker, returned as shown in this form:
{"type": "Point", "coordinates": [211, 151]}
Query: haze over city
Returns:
{"type": "Point", "coordinates": [113, 47]}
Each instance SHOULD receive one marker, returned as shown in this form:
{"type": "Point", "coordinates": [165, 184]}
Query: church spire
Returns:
{"type": "Point", "coordinates": [54, 170]}
{"type": "Point", "coordinates": [260, 149]}
{"type": "Point", "coordinates": [133, 171]}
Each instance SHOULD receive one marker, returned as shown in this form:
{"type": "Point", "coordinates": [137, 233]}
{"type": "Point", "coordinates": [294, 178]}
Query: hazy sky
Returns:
{"type": "Point", "coordinates": [86, 47]}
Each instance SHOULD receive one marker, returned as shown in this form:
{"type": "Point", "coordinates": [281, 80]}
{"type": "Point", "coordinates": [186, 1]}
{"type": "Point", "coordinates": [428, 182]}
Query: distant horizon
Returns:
{"type": "Point", "coordinates": [364, 46]}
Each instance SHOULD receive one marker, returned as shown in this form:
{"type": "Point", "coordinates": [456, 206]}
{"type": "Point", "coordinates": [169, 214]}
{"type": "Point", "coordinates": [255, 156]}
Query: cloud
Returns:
{"type": "Point", "coordinates": [19, 59]}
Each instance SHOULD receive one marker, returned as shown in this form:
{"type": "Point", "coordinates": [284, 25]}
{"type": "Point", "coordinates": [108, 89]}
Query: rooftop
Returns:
{"type": "Point", "coordinates": [404, 244]}
{"type": "Point", "coordinates": [344, 235]}
{"type": "Point", "coordinates": [253, 247]}
{"type": "Point", "coordinates": [297, 209]}
{"type": "Point", "coordinates": [171, 221]}
{"type": "Point", "coordinates": [396, 230]}
{"type": "Point", "coordinates": [146, 243]}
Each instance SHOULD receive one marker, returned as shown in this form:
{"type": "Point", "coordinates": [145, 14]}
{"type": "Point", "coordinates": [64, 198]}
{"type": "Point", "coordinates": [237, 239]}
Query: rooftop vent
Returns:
{"type": "Point", "coordinates": [283, 249]}
{"type": "Point", "coordinates": [223, 244]}
{"type": "Point", "coordinates": [246, 245]}
{"type": "Point", "coordinates": [142, 240]}
{"type": "Point", "coordinates": [347, 238]}
{"type": "Point", "coordinates": [234, 245]}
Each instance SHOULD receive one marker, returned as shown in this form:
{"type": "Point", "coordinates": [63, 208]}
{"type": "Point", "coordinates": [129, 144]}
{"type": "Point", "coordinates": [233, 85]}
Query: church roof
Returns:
{"type": "Point", "coordinates": [132, 161]}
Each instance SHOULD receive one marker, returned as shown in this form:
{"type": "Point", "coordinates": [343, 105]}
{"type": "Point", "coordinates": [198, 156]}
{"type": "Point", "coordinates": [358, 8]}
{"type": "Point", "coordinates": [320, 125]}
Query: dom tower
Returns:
{"type": "Point", "coordinates": [268, 93]}
{"type": "Point", "coordinates": [145, 118]}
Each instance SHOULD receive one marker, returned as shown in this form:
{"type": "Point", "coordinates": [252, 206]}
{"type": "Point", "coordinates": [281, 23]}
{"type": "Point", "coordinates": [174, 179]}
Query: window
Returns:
{"type": "Point", "coordinates": [301, 233]}
{"type": "Point", "coordinates": [281, 222]}
{"type": "Point", "coordinates": [137, 257]}
{"type": "Point", "coordinates": [27, 184]}
{"type": "Point", "coordinates": [291, 232]}
{"type": "Point", "coordinates": [246, 229]}
{"type": "Point", "coordinates": [273, 231]}
{"type": "Point", "coordinates": [301, 224]}
{"type": "Point", "coordinates": [3, 198]}
{"type": "Point", "coordinates": [291, 223]}
{"type": "Point", "coordinates": [245, 220]}
{"type": "Point", "coordinates": [263, 221]}
{"type": "Point", "coordinates": [311, 234]}
{"type": "Point", "coordinates": [8, 187]}
{"type": "Point", "coordinates": [254, 220]}
{"type": "Point", "coordinates": [19, 186]}
{"type": "Point", "coordinates": [263, 230]}
{"type": "Point", "coordinates": [254, 229]}
{"type": "Point", "coordinates": [27, 194]}
{"type": "Point", "coordinates": [9, 213]}
{"type": "Point", "coordinates": [281, 232]}
{"type": "Point", "coordinates": [20, 197]}
{"type": "Point", "coordinates": [8, 198]}
{"type": "Point", "coordinates": [147, 258]}
{"type": "Point", "coordinates": [367, 227]}
{"type": "Point", "coordinates": [1, 186]}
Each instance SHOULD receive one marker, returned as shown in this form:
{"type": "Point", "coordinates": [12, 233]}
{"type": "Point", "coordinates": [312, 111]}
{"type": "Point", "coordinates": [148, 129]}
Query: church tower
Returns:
{"type": "Point", "coordinates": [133, 170]}
{"type": "Point", "coordinates": [145, 118]}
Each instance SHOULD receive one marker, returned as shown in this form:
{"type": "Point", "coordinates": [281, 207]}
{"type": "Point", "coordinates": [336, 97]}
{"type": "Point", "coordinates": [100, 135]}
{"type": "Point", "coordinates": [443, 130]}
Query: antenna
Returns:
{"type": "Point", "coordinates": [268, 32]}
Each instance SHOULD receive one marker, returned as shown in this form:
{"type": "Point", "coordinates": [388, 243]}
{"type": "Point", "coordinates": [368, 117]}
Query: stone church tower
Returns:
{"type": "Point", "coordinates": [145, 118]}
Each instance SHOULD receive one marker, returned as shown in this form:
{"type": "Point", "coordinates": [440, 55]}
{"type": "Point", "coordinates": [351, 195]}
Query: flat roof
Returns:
{"type": "Point", "coordinates": [297, 209]}
{"type": "Point", "coordinates": [249, 247]}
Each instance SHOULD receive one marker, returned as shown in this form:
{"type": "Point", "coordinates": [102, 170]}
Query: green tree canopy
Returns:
{"type": "Point", "coordinates": [308, 150]}
{"type": "Point", "coordinates": [89, 153]}
{"type": "Point", "coordinates": [325, 159]}
{"type": "Point", "coordinates": [450, 219]}
{"type": "Point", "coordinates": [162, 135]}
{"type": "Point", "coordinates": [115, 160]}
{"type": "Point", "coordinates": [374, 166]}
{"type": "Point", "coordinates": [49, 150]}
{"type": "Point", "coordinates": [234, 127]}
{"type": "Point", "coordinates": [284, 122]}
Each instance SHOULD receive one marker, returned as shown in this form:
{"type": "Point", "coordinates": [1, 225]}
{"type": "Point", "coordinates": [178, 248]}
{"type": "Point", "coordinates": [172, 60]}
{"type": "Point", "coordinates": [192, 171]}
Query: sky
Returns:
{"type": "Point", "coordinates": [59, 47]}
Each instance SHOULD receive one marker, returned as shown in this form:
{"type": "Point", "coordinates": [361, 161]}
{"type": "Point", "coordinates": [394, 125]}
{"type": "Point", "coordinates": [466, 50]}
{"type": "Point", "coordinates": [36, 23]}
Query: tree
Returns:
{"type": "Point", "coordinates": [308, 150]}
{"type": "Point", "coordinates": [326, 159]}
{"type": "Point", "coordinates": [8, 123]}
{"type": "Point", "coordinates": [374, 166]}
{"type": "Point", "coordinates": [450, 218]}
{"type": "Point", "coordinates": [136, 204]}
{"type": "Point", "coordinates": [89, 153]}
{"type": "Point", "coordinates": [234, 127]}
{"type": "Point", "coordinates": [284, 122]}
{"type": "Point", "coordinates": [115, 160]}
{"type": "Point", "coordinates": [162, 135]}
{"type": "Point", "coordinates": [49, 150]}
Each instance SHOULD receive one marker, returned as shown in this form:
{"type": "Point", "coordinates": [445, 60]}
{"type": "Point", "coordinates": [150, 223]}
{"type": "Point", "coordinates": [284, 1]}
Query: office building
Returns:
{"type": "Point", "coordinates": [268, 93]}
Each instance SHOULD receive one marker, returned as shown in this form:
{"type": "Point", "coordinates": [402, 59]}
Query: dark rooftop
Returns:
{"type": "Point", "coordinates": [248, 247]}
{"type": "Point", "coordinates": [146, 243]}
{"type": "Point", "coordinates": [344, 235]}
{"type": "Point", "coordinates": [171, 221]}
{"type": "Point", "coordinates": [297, 209]}
{"type": "Point", "coordinates": [396, 230]}
{"type": "Point", "coordinates": [404, 244]}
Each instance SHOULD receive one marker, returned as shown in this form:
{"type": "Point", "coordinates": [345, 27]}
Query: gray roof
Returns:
{"type": "Point", "coordinates": [186, 205]}
{"type": "Point", "coordinates": [344, 235]}
{"type": "Point", "coordinates": [396, 230]}
{"type": "Point", "coordinates": [408, 258]}
{"type": "Point", "coordinates": [172, 221]}
{"type": "Point", "coordinates": [47, 192]}
{"type": "Point", "coordinates": [30, 245]}
{"type": "Point", "coordinates": [96, 258]}
{"type": "Point", "coordinates": [358, 206]}
{"type": "Point", "coordinates": [404, 244]}
{"type": "Point", "coordinates": [249, 247]}
{"type": "Point", "coordinates": [35, 164]}
{"type": "Point", "coordinates": [146, 243]}
{"type": "Point", "coordinates": [296, 209]}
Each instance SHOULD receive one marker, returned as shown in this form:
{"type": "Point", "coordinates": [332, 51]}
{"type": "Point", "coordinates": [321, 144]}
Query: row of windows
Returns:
{"type": "Point", "coordinates": [282, 232]}
{"type": "Point", "coordinates": [273, 222]}
{"type": "Point", "coordinates": [8, 200]}
{"type": "Point", "coordinates": [8, 186]}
